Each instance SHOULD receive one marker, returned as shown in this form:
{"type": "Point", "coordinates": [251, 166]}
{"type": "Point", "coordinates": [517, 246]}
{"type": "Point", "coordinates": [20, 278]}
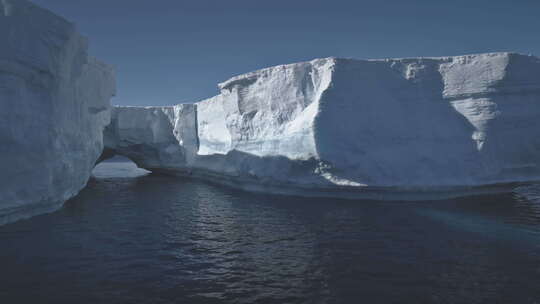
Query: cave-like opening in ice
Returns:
{"type": "Point", "coordinates": [118, 166]}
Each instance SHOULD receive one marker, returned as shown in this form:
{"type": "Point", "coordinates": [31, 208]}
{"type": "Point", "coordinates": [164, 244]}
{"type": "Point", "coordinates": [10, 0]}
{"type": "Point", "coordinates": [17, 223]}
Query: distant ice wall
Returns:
{"type": "Point", "coordinates": [333, 126]}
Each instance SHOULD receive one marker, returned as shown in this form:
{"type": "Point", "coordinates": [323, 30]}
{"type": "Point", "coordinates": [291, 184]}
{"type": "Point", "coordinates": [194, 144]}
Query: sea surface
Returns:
{"type": "Point", "coordinates": [135, 237]}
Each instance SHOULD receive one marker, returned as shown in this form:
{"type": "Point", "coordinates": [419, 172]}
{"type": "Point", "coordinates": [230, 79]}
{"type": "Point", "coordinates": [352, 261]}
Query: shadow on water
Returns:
{"type": "Point", "coordinates": [156, 239]}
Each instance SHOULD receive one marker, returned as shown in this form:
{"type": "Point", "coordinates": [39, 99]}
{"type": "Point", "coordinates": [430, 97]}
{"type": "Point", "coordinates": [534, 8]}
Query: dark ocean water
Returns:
{"type": "Point", "coordinates": [156, 239]}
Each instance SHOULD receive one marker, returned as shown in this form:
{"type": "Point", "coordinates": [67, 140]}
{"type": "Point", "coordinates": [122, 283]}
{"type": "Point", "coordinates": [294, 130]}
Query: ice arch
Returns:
{"type": "Point", "coordinates": [155, 138]}
{"type": "Point", "coordinates": [341, 126]}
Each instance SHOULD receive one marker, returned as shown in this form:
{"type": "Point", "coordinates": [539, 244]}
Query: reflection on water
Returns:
{"type": "Point", "coordinates": [154, 239]}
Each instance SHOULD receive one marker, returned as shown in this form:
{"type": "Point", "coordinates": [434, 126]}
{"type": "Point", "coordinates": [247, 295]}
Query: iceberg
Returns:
{"type": "Point", "coordinates": [350, 128]}
{"type": "Point", "coordinates": [335, 127]}
{"type": "Point", "coordinates": [54, 105]}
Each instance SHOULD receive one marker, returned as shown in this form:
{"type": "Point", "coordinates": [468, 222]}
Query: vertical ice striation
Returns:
{"type": "Point", "coordinates": [54, 105]}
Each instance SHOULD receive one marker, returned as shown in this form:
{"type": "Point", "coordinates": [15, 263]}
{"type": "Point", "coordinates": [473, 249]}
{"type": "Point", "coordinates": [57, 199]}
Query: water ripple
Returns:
{"type": "Point", "coordinates": [153, 239]}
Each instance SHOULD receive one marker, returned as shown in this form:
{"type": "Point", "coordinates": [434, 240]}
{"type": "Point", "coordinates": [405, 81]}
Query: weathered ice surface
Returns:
{"type": "Point", "coordinates": [54, 105]}
{"type": "Point", "coordinates": [351, 128]}
{"type": "Point", "coordinates": [153, 137]}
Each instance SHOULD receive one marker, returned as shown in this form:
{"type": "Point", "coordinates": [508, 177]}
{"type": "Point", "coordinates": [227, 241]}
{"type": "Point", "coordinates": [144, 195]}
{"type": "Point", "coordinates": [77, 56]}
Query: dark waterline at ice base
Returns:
{"type": "Point", "coordinates": [136, 238]}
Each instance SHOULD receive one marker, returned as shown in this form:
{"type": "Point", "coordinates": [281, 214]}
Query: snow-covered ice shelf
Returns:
{"type": "Point", "coordinates": [353, 128]}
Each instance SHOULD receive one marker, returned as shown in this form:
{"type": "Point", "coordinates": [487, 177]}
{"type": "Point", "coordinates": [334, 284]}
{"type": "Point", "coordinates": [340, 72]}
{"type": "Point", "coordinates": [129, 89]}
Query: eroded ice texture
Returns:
{"type": "Point", "coordinates": [341, 126]}
{"type": "Point", "coordinates": [54, 105]}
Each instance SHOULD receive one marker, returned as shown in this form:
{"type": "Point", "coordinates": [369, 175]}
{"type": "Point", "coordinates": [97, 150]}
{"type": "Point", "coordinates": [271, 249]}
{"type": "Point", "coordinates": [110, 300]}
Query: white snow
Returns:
{"type": "Point", "coordinates": [54, 105]}
{"type": "Point", "coordinates": [344, 127]}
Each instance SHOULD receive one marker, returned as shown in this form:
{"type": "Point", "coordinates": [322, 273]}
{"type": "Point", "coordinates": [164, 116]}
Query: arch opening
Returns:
{"type": "Point", "coordinates": [112, 165]}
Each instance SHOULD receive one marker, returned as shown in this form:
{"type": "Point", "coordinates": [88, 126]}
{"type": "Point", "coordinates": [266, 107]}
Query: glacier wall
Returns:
{"type": "Point", "coordinates": [353, 128]}
{"type": "Point", "coordinates": [54, 105]}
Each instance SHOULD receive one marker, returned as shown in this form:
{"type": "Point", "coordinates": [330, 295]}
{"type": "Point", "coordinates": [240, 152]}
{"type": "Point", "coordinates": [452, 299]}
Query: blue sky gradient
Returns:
{"type": "Point", "coordinates": [171, 51]}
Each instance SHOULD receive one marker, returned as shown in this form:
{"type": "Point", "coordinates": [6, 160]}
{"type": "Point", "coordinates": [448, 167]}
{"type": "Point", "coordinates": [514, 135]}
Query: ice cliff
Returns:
{"type": "Point", "coordinates": [354, 128]}
{"type": "Point", "coordinates": [54, 105]}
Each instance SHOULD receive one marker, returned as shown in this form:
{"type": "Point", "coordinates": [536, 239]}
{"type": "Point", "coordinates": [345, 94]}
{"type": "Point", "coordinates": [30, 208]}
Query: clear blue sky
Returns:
{"type": "Point", "coordinates": [171, 51]}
